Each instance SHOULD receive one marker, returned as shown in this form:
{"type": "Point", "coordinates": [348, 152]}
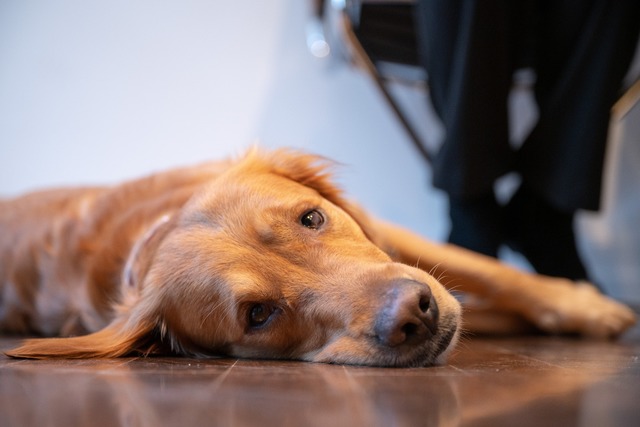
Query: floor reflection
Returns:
{"type": "Point", "coordinates": [488, 382]}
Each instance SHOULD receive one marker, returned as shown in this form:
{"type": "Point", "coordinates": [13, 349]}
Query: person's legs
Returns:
{"type": "Point", "coordinates": [465, 49]}
{"type": "Point", "coordinates": [469, 51]}
{"type": "Point", "coordinates": [584, 50]}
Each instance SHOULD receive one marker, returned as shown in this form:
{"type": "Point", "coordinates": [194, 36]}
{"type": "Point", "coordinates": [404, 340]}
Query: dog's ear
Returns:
{"type": "Point", "coordinates": [113, 341]}
{"type": "Point", "coordinates": [136, 328]}
{"type": "Point", "coordinates": [142, 253]}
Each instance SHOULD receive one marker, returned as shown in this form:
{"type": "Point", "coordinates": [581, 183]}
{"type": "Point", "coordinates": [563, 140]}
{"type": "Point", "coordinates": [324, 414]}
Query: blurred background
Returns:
{"type": "Point", "coordinates": [101, 91]}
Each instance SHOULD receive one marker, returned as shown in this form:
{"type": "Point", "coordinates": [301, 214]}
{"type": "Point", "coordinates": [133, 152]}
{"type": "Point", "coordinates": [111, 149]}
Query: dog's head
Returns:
{"type": "Point", "coordinates": [269, 261]}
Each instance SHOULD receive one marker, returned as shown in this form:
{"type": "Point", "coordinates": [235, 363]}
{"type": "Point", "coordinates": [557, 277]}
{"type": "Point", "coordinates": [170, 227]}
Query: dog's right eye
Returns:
{"type": "Point", "coordinates": [259, 314]}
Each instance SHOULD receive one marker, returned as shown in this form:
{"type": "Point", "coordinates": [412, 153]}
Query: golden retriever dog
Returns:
{"type": "Point", "coordinates": [259, 257]}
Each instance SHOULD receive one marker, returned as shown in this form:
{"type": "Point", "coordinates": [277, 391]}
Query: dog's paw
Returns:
{"type": "Point", "coordinates": [579, 308]}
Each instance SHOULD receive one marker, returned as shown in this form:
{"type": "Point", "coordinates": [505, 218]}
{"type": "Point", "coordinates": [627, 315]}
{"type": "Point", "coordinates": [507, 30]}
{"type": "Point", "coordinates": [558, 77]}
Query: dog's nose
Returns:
{"type": "Point", "coordinates": [408, 315]}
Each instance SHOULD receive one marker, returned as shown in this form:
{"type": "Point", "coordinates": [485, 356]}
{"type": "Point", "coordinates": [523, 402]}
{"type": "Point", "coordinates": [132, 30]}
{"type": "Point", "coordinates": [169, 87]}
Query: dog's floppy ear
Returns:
{"type": "Point", "coordinates": [113, 341]}
{"type": "Point", "coordinates": [136, 328]}
{"type": "Point", "coordinates": [139, 260]}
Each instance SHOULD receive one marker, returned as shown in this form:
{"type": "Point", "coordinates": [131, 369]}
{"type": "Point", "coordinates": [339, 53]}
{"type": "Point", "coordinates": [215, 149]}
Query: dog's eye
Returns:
{"type": "Point", "coordinates": [312, 219]}
{"type": "Point", "coordinates": [259, 314]}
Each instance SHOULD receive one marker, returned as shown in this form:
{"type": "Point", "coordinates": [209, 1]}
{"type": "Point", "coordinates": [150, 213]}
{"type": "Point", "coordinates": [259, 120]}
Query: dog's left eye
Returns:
{"type": "Point", "coordinates": [259, 314]}
{"type": "Point", "coordinates": [312, 219]}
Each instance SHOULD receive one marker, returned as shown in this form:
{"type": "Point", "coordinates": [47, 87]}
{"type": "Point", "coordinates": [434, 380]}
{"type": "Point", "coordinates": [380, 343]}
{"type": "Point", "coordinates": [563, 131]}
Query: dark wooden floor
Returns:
{"type": "Point", "coordinates": [531, 381]}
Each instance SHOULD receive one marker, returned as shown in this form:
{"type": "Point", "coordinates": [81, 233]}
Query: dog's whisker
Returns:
{"type": "Point", "coordinates": [434, 268]}
{"type": "Point", "coordinates": [417, 264]}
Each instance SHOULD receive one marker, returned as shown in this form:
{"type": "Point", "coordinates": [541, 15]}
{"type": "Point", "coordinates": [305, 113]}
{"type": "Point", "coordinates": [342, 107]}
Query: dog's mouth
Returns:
{"type": "Point", "coordinates": [431, 352]}
{"type": "Point", "coordinates": [410, 327]}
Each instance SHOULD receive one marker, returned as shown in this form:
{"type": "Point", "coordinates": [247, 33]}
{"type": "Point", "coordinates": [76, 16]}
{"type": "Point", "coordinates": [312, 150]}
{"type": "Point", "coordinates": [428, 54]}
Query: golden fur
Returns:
{"type": "Point", "coordinates": [192, 261]}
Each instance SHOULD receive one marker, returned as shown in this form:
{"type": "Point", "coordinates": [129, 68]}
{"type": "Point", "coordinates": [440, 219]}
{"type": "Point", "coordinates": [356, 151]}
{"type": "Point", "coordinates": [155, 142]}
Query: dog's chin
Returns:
{"type": "Point", "coordinates": [433, 354]}
{"type": "Point", "coordinates": [346, 351]}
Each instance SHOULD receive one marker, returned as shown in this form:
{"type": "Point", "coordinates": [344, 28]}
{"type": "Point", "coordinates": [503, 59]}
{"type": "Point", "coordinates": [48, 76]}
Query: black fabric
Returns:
{"type": "Point", "coordinates": [580, 50]}
{"type": "Point", "coordinates": [543, 234]}
{"type": "Point", "coordinates": [477, 224]}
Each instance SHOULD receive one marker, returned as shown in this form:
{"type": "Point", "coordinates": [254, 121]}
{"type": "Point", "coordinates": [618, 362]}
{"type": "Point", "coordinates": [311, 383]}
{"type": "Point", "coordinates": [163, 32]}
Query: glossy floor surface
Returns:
{"type": "Point", "coordinates": [528, 381]}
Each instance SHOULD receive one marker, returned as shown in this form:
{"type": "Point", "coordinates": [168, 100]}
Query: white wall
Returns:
{"type": "Point", "coordinates": [100, 91]}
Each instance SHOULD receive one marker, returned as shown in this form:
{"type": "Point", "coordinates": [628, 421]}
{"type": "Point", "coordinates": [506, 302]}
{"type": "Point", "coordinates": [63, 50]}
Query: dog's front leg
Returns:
{"type": "Point", "coordinates": [554, 305]}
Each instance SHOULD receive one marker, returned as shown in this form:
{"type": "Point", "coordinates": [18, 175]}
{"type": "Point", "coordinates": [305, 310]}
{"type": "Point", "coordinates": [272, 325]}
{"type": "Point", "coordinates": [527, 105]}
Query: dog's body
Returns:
{"type": "Point", "coordinates": [260, 257]}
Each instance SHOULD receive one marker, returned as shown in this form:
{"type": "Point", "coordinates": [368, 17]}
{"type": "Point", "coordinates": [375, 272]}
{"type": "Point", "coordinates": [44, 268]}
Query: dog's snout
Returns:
{"type": "Point", "coordinates": [408, 315]}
